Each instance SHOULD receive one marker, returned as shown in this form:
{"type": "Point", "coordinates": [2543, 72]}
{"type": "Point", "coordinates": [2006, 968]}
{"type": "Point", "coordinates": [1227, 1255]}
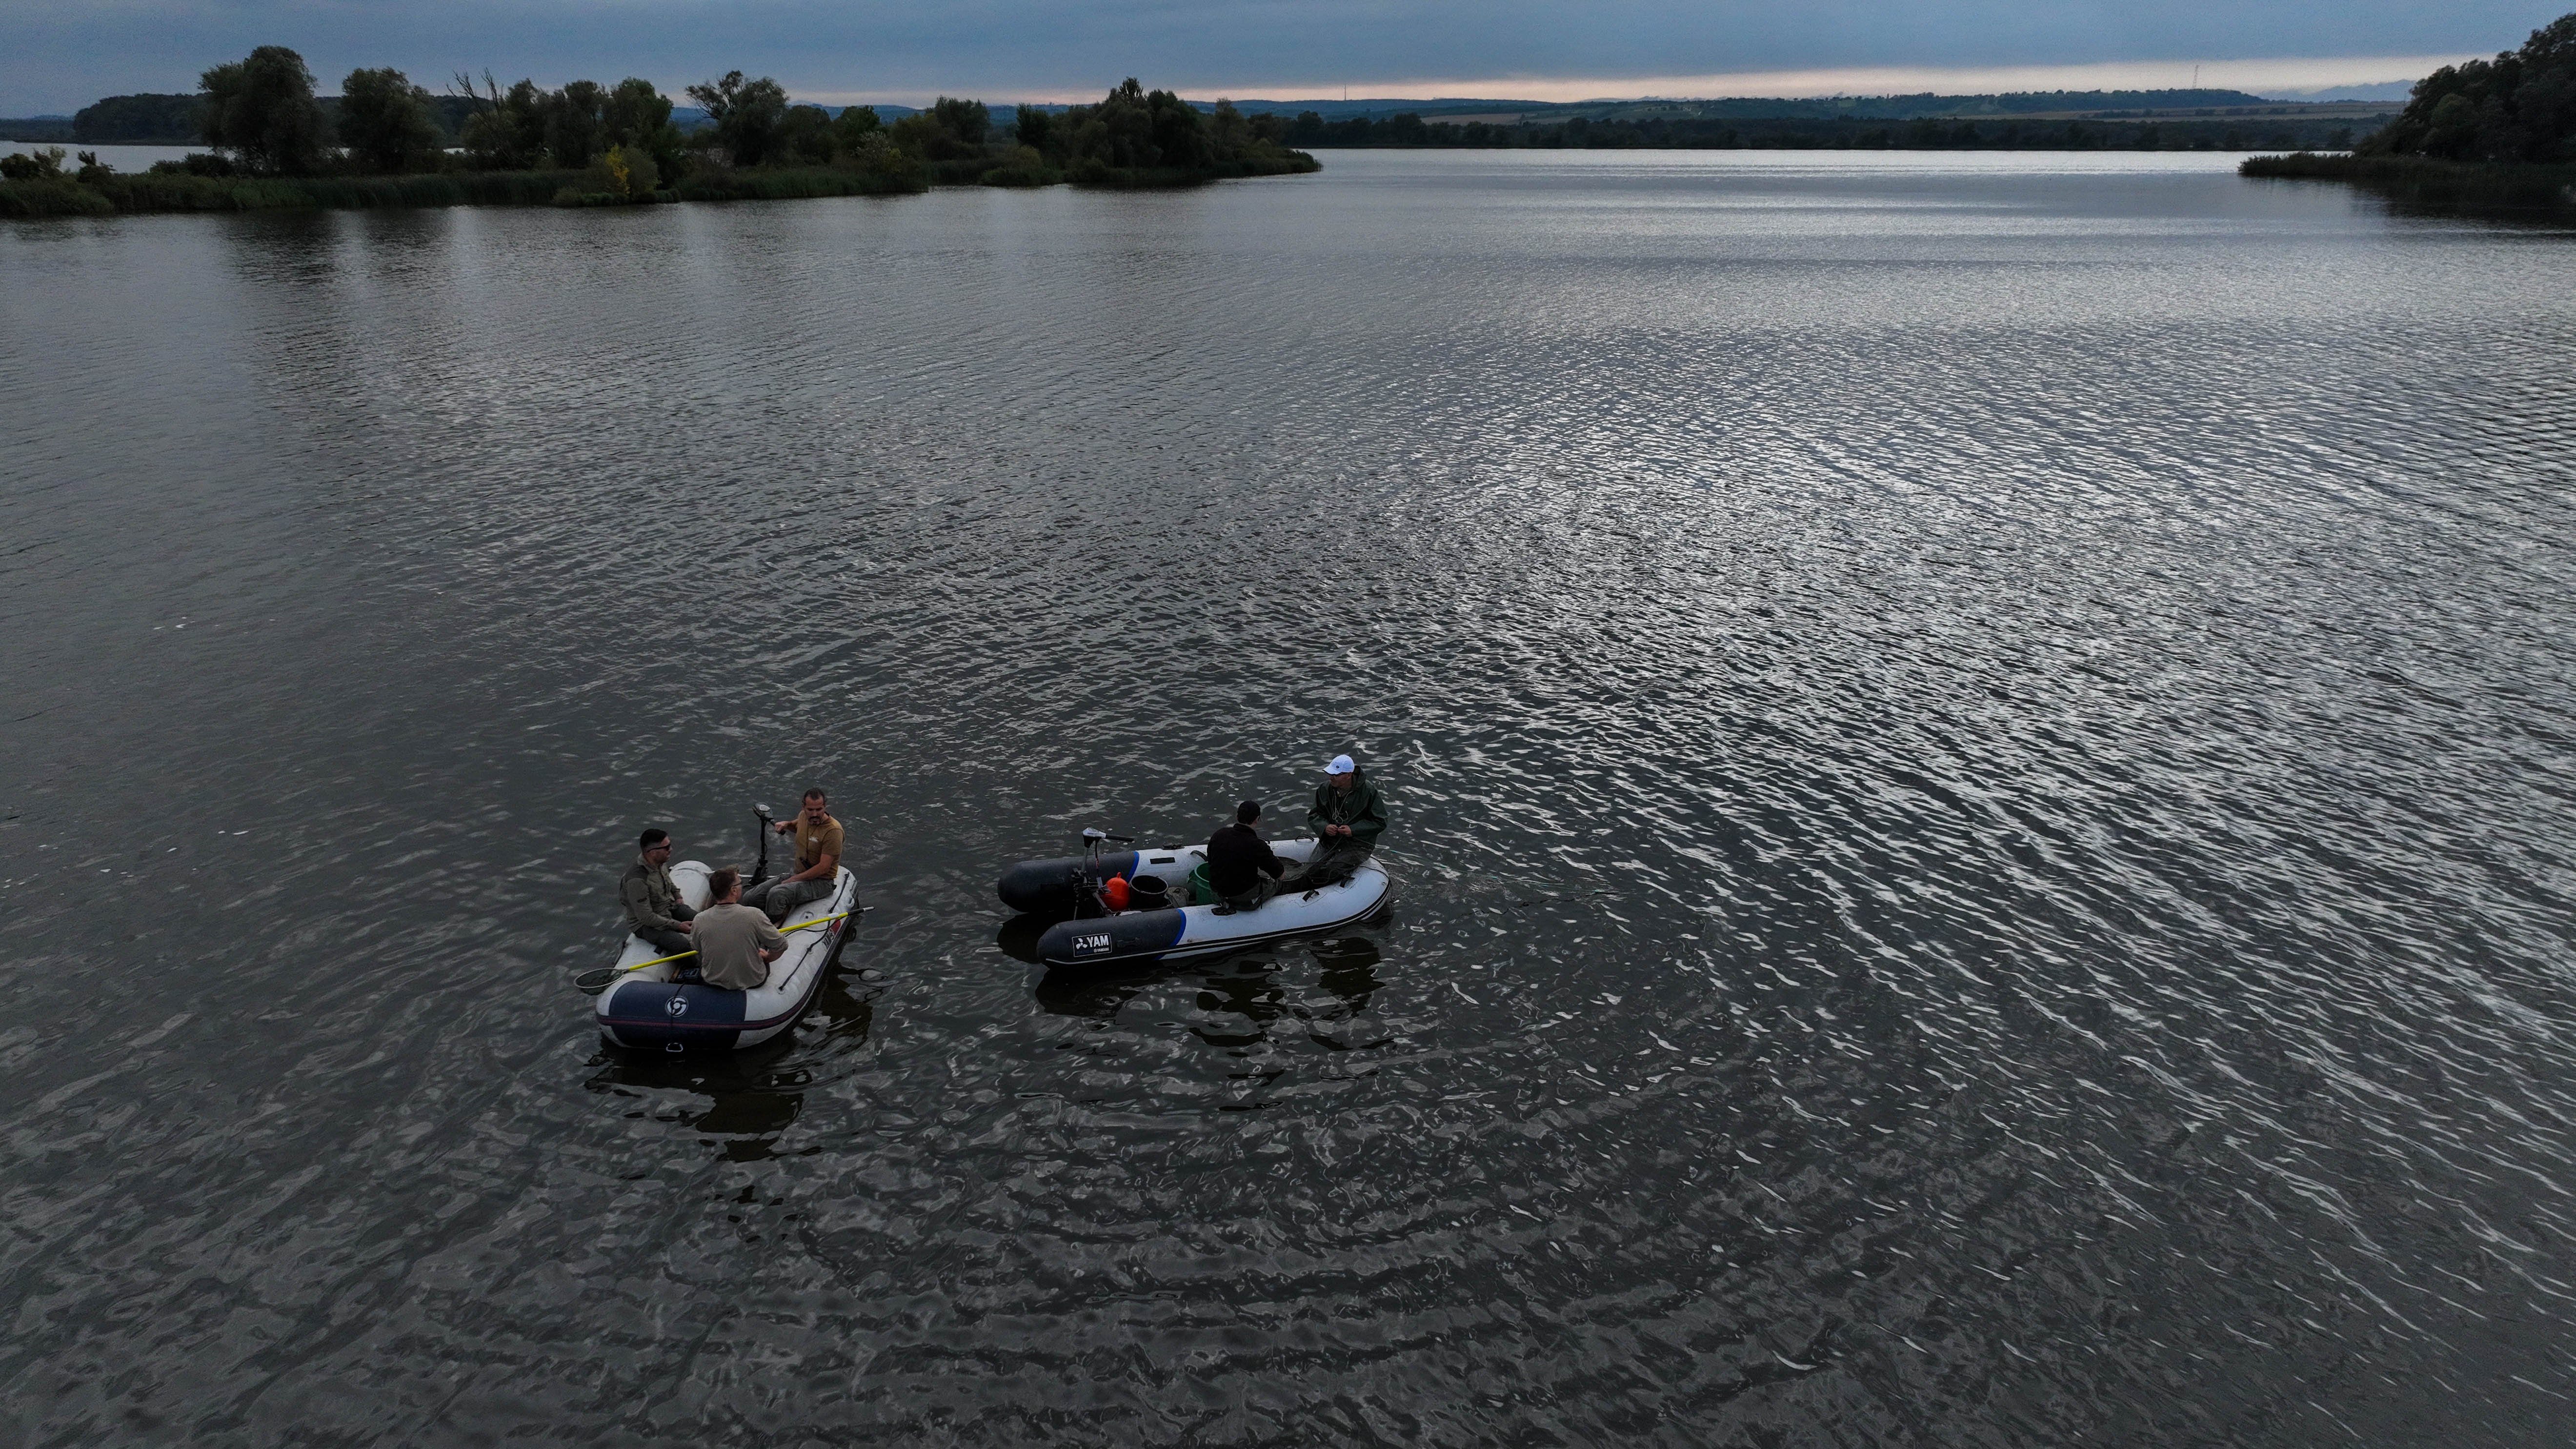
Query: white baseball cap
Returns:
{"type": "Point", "coordinates": [1341, 765]}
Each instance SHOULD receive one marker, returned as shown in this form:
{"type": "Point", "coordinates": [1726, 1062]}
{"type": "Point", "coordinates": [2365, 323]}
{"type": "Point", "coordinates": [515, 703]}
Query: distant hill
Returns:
{"type": "Point", "coordinates": [140, 120]}
{"type": "Point", "coordinates": [2395, 91]}
{"type": "Point", "coordinates": [35, 128]}
{"type": "Point", "coordinates": [1761, 108]}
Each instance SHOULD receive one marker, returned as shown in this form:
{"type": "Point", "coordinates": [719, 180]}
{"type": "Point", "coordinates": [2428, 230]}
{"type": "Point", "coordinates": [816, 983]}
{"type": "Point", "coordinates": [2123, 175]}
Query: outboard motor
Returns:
{"type": "Point", "coordinates": [1096, 870]}
{"type": "Point", "coordinates": [1071, 885]}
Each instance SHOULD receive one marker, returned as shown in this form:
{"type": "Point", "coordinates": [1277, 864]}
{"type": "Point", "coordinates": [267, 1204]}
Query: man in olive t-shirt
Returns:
{"type": "Point", "coordinates": [818, 862]}
{"type": "Point", "coordinates": [735, 942]}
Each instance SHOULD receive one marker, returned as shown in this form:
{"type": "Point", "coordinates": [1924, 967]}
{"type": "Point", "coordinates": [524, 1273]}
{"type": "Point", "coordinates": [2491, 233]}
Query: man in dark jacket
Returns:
{"type": "Point", "coordinates": [652, 901]}
{"type": "Point", "coordinates": [1347, 818]}
{"type": "Point", "coordinates": [1242, 868]}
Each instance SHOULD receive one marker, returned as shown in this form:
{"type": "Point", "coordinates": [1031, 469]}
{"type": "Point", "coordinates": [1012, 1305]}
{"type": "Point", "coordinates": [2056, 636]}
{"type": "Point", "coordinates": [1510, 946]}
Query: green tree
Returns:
{"type": "Point", "coordinates": [45, 165]}
{"type": "Point", "coordinates": [1135, 129]}
{"type": "Point", "coordinates": [1117, 134]}
{"type": "Point", "coordinates": [852, 128]}
{"type": "Point", "coordinates": [638, 117]}
{"type": "Point", "coordinates": [508, 133]}
{"type": "Point", "coordinates": [261, 109]}
{"type": "Point", "coordinates": [1034, 128]}
{"type": "Point", "coordinates": [384, 120]}
{"type": "Point", "coordinates": [951, 130]}
{"type": "Point", "coordinates": [620, 172]}
{"type": "Point", "coordinates": [804, 134]}
{"type": "Point", "coordinates": [1180, 131]}
{"type": "Point", "coordinates": [918, 135]}
{"type": "Point", "coordinates": [1229, 131]}
{"type": "Point", "coordinates": [747, 114]}
{"type": "Point", "coordinates": [968, 121]}
{"type": "Point", "coordinates": [2520, 106]}
{"type": "Point", "coordinates": [575, 129]}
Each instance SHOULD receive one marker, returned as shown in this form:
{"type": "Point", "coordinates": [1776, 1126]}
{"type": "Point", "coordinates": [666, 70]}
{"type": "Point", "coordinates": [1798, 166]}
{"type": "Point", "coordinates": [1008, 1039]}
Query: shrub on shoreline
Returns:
{"type": "Point", "coordinates": [2434, 186]}
{"type": "Point", "coordinates": [798, 183]}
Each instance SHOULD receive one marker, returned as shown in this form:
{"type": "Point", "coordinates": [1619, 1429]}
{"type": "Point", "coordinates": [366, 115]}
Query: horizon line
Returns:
{"type": "Point", "coordinates": [2273, 73]}
{"type": "Point", "coordinates": [1859, 82]}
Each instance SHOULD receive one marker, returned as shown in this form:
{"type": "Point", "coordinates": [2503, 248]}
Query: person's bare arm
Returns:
{"type": "Point", "coordinates": [821, 870]}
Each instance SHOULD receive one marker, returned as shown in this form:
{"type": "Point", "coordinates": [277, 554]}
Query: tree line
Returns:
{"type": "Point", "coordinates": [2517, 108]}
{"type": "Point", "coordinates": [618, 142]}
{"type": "Point", "coordinates": [2488, 138]}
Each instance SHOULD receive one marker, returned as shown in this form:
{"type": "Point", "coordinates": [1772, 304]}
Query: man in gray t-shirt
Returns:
{"type": "Point", "coordinates": [736, 942]}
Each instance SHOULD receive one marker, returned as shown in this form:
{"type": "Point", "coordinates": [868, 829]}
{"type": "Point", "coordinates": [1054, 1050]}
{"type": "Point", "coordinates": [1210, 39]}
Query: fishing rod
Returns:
{"type": "Point", "coordinates": [799, 926]}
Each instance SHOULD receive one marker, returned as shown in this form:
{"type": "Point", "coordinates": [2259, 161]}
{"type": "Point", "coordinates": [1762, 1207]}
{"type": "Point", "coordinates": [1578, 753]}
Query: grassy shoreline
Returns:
{"type": "Point", "coordinates": [147, 192]}
{"type": "Point", "coordinates": [2431, 187]}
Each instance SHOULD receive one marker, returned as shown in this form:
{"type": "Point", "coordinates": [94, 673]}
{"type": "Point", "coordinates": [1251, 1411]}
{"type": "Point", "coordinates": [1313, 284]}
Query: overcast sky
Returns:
{"type": "Point", "coordinates": [58, 55]}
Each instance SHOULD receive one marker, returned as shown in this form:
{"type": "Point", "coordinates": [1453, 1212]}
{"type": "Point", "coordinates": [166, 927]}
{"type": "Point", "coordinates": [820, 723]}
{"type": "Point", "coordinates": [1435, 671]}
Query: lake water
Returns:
{"type": "Point", "coordinates": [123, 158]}
{"type": "Point", "coordinates": [1980, 752]}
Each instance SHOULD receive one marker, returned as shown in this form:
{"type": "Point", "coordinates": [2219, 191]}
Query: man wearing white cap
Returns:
{"type": "Point", "coordinates": [1347, 818]}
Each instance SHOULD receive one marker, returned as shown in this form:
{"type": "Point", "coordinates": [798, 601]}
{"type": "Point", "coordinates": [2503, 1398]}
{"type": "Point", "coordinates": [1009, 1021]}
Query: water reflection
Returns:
{"type": "Point", "coordinates": [752, 1094]}
{"type": "Point", "coordinates": [1096, 995]}
{"type": "Point", "coordinates": [1020, 934]}
{"type": "Point", "coordinates": [1340, 1019]}
{"type": "Point", "coordinates": [1235, 1005]}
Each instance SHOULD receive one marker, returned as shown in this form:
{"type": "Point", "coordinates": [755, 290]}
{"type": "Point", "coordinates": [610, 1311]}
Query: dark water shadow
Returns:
{"type": "Point", "coordinates": [1348, 978]}
{"type": "Point", "coordinates": [1237, 1003]}
{"type": "Point", "coordinates": [751, 1095]}
{"type": "Point", "coordinates": [1019, 936]}
{"type": "Point", "coordinates": [1097, 996]}
{"type": "Point", "coordinates": [754, 1094]}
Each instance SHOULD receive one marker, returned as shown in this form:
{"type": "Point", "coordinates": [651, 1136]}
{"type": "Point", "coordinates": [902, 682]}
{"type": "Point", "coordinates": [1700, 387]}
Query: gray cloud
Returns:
{"type": "Point", "coordinates": [61, 55]}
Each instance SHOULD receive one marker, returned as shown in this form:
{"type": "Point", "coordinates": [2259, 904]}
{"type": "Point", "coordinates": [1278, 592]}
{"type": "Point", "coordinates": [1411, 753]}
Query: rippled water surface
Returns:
{"type": "Point", "coordinates": [1980, 751]}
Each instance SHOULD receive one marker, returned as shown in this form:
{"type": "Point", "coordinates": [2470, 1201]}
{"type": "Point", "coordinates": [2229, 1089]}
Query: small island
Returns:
{"type": "Point", "coordinates": [385, 141]}
{"type": "Point", "coordinates": [2487, 137]}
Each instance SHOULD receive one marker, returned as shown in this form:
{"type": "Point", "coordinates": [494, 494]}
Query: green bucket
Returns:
{"type": "Point", "coordinates": [1200, 894]}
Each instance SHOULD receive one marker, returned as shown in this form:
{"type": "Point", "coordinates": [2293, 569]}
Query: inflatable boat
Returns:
{"type": "Point", "coordinates": [647, 1008]}
{"type": "Point", "coordinates": [1177, 933]}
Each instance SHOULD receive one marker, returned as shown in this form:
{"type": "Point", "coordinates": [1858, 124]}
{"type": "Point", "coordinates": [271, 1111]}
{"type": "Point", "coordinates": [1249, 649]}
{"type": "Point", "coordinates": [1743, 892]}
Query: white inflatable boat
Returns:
{"type": "Point", "coordinates": [1176, 933]}
{"type": "Point", "coordinates": [647, 1008]}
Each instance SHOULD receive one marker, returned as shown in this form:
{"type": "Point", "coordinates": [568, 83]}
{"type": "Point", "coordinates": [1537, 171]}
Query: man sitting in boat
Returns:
{"type": "Point", "coordinates": [653, 904]}
{"type": "Point", "coordinates": [818, 862]}
{"type": "Point", "coordinates": [1347, 818]}
{"type": "Point", "coordinates": [1242, 868]}
{"type": "Point", "coordinates": [735, 942]}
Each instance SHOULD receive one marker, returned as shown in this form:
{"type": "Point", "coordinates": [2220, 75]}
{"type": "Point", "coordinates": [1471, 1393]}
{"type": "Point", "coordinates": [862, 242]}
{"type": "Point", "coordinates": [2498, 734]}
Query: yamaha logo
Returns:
{"type": "Point", "coordinates": [678, 1005]}
{"type": "Point", "coordinates": [1088, 944]}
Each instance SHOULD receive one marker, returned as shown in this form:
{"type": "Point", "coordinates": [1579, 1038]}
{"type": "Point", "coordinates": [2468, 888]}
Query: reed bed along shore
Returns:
{"type": "Point", "coordinates": [2430, 186]}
